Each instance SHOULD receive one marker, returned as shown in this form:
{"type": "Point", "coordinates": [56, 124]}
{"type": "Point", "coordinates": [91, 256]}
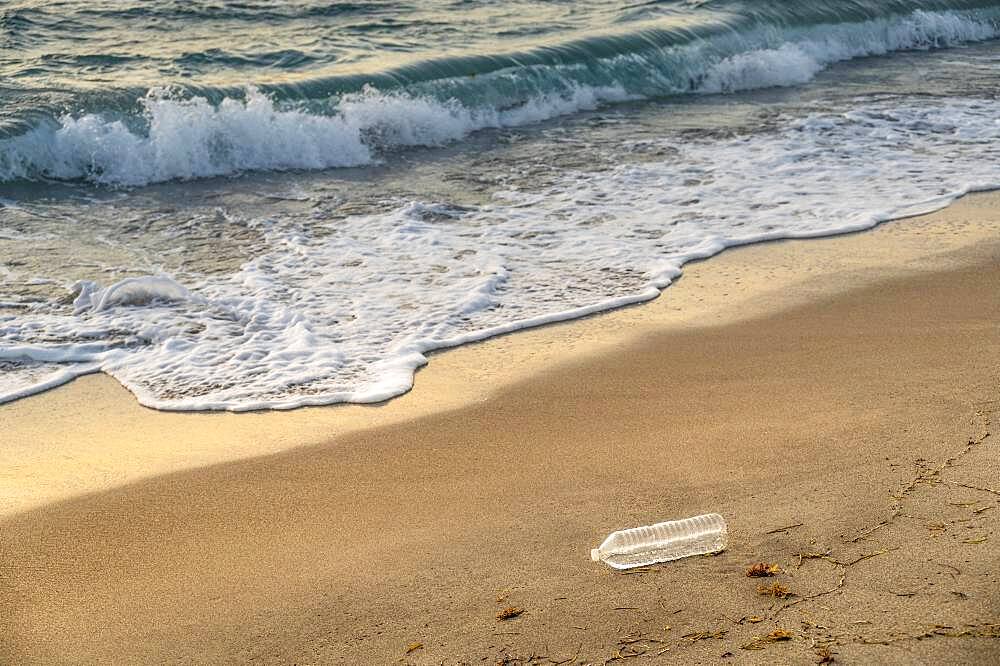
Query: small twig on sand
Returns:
{"type": "Point", "coordinates": [826, 556]}
{"type": "Point", "coordinates": [632, 641]}
{"type": "Point", "coordinates": [784, 529]}
{"type": "Point", "coordinates": [840, 584]}
{"type": "Point", "coordinates": [868, 531]}
{"type": "Point", "coordinates": [972, 487]}
{"type": "Point", "coordinates": [943, 564]}
{"type": "Point", "coordinates": [568, 659]}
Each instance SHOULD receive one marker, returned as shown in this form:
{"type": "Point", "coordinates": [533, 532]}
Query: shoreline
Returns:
{"type": "Point", "coordinates": [845, 431]}
{"type": "Point", "coordinates": [78, 451]}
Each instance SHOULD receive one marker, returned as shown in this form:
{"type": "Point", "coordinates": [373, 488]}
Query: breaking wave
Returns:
{"type": "Point", "coordinates": [352, 121]}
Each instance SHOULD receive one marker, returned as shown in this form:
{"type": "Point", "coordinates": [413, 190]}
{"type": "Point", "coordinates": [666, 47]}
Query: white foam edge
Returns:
{"type": "Point", "coordinates": [52, 381]}
{"type": "Point", "coordinates": [399, 371]}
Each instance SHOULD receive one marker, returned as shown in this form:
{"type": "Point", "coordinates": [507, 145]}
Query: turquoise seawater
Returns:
{"type": "Point", "coordinates": [240, 205]}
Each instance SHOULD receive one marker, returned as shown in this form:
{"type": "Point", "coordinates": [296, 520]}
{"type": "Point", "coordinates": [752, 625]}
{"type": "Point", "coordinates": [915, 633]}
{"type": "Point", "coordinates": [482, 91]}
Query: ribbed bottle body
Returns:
{"type": "Point", "coordinates": [663, 542]}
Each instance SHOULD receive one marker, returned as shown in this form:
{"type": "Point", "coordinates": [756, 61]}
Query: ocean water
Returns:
{"type": "Point", "coordinates": [239, 205]}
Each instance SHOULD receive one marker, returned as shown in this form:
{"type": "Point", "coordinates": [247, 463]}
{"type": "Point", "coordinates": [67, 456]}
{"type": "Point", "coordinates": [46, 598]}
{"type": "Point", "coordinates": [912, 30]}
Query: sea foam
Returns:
{"type": "Point", "coordinates": [347, 310]}
{"type": "Point", "coordinates": [130, 291]}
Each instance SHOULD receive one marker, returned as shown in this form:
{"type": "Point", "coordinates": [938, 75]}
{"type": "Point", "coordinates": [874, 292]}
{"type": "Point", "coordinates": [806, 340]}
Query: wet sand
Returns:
{"type": "Point", "coordinates": [835, 400]}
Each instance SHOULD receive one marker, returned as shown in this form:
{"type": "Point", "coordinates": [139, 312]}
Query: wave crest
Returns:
{"type": "Point", "coordinates": [183, 138]}
{"type": "Point", "coordinates": [186, 138]}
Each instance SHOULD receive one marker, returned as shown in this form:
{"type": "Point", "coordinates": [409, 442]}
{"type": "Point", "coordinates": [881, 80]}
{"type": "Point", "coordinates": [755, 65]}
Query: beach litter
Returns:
{"type": "Point", "coordinates": [663, 542]}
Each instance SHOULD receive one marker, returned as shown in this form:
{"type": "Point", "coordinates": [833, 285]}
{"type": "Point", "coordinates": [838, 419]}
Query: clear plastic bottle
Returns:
{"type": "Point", "coordinates": [642, 546]}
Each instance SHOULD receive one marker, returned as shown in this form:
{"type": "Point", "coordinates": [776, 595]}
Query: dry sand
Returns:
{"type": "Point", "coordinates": [843, 389]}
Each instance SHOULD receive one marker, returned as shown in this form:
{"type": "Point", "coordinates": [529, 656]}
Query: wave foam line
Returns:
{"type": "Point", "coordinates": [177, 138]}
{"type": "Point", "coordinates": [348, 317]}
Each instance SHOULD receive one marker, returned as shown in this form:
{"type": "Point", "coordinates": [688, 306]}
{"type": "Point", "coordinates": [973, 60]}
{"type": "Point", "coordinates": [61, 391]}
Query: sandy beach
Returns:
{"type": "Point", "coordinates": [836, 400]}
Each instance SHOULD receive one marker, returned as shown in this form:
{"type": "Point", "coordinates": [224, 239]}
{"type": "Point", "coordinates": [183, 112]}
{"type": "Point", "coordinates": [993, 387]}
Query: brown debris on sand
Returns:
{"type": "Point", "coordinates": [509, 613]}
{"type": "Point", "coordinates": [776, 636]}
{"type": "Point", "coordinates": [763, 570]}
{"type": "Point", "coordinates": [704, 635]}
{"type": "Point", "coordinates": [825, 655]}
{"type": "Point", "coordinates": [776, 590]}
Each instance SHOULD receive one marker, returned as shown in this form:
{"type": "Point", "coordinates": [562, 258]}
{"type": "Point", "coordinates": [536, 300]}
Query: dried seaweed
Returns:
{"type": "Point", "coordinates": [761, 642]}
{"type": "Point", "coordinates": [763, 570]}
{"type": "Point", "coordinates": [988, 630]}
{"type": "Point", "coordinates": [825, 655]}
{"type": "Point", "coordinates": [705, 635]}
{"type": "Point", "coordinates": [775, 590]}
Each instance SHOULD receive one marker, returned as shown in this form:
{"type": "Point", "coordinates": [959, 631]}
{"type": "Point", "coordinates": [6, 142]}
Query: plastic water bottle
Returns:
{"type": "Point", "coordinates": [642, 546]}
